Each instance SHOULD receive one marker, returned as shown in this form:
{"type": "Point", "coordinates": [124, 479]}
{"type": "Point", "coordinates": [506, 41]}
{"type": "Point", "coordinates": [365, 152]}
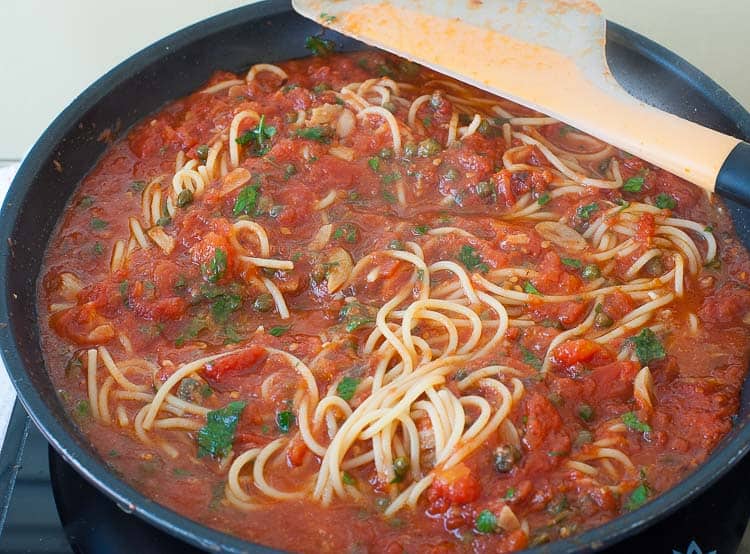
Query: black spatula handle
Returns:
{"type": "Point", "coordinates": [733, 180]}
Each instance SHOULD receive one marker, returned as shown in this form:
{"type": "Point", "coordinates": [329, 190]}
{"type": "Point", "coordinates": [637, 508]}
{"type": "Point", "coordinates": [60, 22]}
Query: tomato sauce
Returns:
{"type": "Point", "coordinates": [175, 307]}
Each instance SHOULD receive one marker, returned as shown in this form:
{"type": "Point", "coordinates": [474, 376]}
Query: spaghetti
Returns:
{"type": "Point", "coordinates": [349, 287]}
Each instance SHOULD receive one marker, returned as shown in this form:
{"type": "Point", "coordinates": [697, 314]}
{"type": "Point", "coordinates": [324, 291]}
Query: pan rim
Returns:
{"type": "Point", "coordinates": [725, 456]}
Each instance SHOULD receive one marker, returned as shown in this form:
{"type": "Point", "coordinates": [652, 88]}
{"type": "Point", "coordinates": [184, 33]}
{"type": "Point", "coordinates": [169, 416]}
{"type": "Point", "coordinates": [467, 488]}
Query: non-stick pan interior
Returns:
{"type": "Point", "coordinates": [176, 66]}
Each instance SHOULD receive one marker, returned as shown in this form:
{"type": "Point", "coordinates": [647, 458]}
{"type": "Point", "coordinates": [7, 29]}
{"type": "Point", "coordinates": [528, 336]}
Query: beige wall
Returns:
{"type": "Point", "coordinates": [52, 49]}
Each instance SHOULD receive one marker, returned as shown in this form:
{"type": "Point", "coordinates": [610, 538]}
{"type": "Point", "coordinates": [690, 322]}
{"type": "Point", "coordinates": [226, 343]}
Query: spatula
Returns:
{"type": "Point", "coordinates": [547, 55]}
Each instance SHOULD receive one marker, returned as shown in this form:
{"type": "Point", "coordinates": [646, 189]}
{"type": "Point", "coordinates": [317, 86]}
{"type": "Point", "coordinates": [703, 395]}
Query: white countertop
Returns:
{"type": "Point", "coordinates": [54, 50]}
{"type": "Point", "coordinates": [7, 392]}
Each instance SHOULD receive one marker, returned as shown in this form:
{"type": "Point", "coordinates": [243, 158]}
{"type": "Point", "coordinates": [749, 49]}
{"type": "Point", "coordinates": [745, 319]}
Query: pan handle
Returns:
{"type": "Point", "coordinates": [733, 180]}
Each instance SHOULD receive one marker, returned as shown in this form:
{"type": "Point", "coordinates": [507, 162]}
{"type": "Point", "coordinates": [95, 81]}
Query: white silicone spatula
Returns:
{"type": "Point", "coordinates": [549, 56]}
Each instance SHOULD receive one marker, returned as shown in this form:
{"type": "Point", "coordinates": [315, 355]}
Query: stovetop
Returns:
{"type": "Point", "coordinates": [45, 507]}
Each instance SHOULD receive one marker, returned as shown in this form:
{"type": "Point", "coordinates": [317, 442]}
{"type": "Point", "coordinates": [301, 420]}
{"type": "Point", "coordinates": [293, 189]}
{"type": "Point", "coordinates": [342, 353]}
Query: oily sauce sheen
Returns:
{"type": "Point", "coordinates": [589, 433]}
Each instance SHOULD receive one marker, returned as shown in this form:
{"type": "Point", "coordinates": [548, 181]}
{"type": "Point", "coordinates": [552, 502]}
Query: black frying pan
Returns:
{"type": "Point", "coordinates": [179, 64]}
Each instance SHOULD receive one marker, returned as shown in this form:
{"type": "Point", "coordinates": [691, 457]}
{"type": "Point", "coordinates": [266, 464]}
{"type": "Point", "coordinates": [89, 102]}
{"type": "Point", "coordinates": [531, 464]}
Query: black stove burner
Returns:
{"type": "Point", "coordinates": [73, 516]}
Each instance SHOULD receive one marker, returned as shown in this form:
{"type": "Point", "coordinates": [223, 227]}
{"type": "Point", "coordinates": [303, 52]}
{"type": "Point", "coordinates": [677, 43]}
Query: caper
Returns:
{"type": "Point", "coordinates": [590, 272]}
{"type": "Point", "coordinates": [602, 320]}
{"type": "Point", "coordinates": [584, 437]}
{"type": "Point", "coordinates": [505, 458]}
{"type": "Point", "coordinates": [585, 412]}
{"type": "Point", "coordinates": [400, 467]}
{"type": "Point", "coordinates": [263, 302]}
{"type": "Point", "coordinates": [184, 198]}
{"type": "Point", "coordinates": [428, 147]}
{"type": "Point", "coordinates": [202, 152]}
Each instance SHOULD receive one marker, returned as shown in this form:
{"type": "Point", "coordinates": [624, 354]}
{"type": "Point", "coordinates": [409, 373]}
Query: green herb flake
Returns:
{"type": "Point", "coordinates": [400, 468]}
{"type": "Point", "coordinates": [99, 224]}
{"type": "Point", "coordinates": [420, 230]}
{"type": "Point", "coordinates": [510, 493]}
{"type": "Point", "coordinates": [374, 163]}
{"type": "Point", "coordinates": [664, 201]}
{"type": "Point", "coordinates": [98, 249]}
{"type": "Point", "coordinates": [284, 421]}
{"type": "Point", "coordinates": [83, 409]}
{"type": "Point", "coordinates": [319, 46]}
{"type": "Point", "coordinates": [708, 229]}
{"type": "Point", "coordinates": [529, 288]}
{"type": "Point", "coordinates": [473, 261]}
{"type": "Point", "coordinates": [258, 138]}
{"type": "Point", "coordinates": [638, 497]}
{"type": "Point", "coordinates": [347, 387]}
{"type": "Point", "coordinates": [216, 437]}
{"type": "Point", "coordinates": [647, 346]}
{"type": "Point", "coordinates": [215, 269]}
{"type": "Point", "coordinates": [278, 330]}
{"type": "Point", "coordinates": [86, 202]}
{"type": "Point", "coordinates": [137, 186]}
{"type": "Point", "coordinates": [572, 262]}
{"type": "Point", "coordinates": [631, 421]}
{"type": "Point", "coordinates": [289, 171]}
{"type": "Point", "coordinates": [356, 315]}
{"type": "Point", "coordinates": [388, 196]}
{"type": "Point", "coordinates": [192, 330]}
{"type": "Point", "coordinates": [319, 134]}
{"type": "Point", "coordinates": [634, 184]}
{"type": "Point", "coordinates": [585, 212]}
{"type": "Point", "coordinates": [529, 358]}
{"type": "Point", "coordinates": [543, 199]}
{"type": "Point", "coordinates": [486, 522]}
{"type": "Point", "coordinates": [347, 479]}
{"type": "Point", "coordinates": [223, 305]}
{"type": "Point", "coordinates": [247, 201]}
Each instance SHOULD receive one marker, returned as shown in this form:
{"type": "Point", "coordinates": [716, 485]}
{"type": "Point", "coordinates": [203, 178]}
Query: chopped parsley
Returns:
{"type": "Point", "coordinates": [388, 196]}
{"type": "Point", "coordinates": [486, 522]}
{"type": "Point", "coordinates": [638, 497]}
{"type": "Point", "coordinates": [572, 262]}
{"type": "Point", "coordinates": [347, 231]}
{"type": "Point", "coordinates": [86, 202]}
{"type": "Point", "coordinates": [585, 212]}
{"type": "Point", "coordinates": [631, 421]}
{"type": "Point", "coordinates": [374, 163]}
{"type": "Point", "coordinates": [647, 346]}
{"type": "Point", "coordinates": [284, 421]}
{"type": "Point", "coordinates": [510, 493]}
{"type": "Point", "coordinates": [279, 330]}
{"type": "Point", "coordinates": [356, 315]}
{"type": "Point", "coordinates": [529, 288]}
{"type": "Point", "coordinates": [223, 305]}
{"type": "Point", "coordinates": [543, 199]}
{"type": "Point", "coordinates": [529, 358]}
{"type": "Point", "coordinates": [319, 46]}
{"type": "Point", "coordinates": [98, 248]}
{"type": "Point", "coordinates": [247, 201]}
{"type": "Point", "coordinates": [258, 138]}
{"type": "Point", "coordinates": [217, 436]}
{"type": "Point", "coordinates": [420, 230]}
{"type": "Point", "coordinates": [634, 184]}
{"type": "Point", "coordinates": [138, 186]}
{"type": "Point", "coordinates": [347, 387]}
{"type": "Point", "coordinates": [320, 133]}
{"type": "Point", "coordinates": [665, 201]}
{"type": "Point", "coordinates": [473, 261]}
{"type": "Point", "coordinates": [215, 269]}
{"type": "Point", "coordinates": [99, 224]}
{"type": "Point", "coordinates": [191, 331]}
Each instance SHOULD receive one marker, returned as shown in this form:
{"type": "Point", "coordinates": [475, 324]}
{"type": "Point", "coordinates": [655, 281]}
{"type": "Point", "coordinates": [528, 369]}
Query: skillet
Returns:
{"type": "Point", "coordinates": [179, 64]}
